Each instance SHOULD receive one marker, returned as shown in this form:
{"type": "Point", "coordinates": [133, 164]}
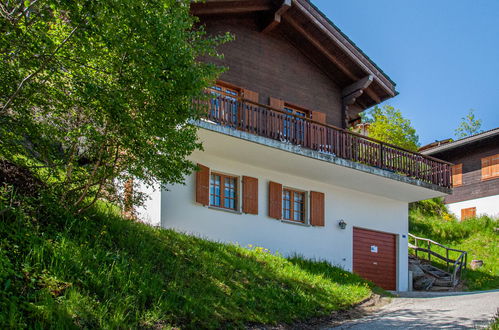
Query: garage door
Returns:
{"type": "Point", "coordinates": [374, 257]}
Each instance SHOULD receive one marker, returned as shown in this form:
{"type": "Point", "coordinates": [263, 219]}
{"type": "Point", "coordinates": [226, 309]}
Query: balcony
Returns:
{"type": "Point", "coordinates": [262, 120]}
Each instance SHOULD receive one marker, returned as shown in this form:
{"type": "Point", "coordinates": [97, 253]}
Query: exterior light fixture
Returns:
{"type": "Point", "coordinates": [342, 224]}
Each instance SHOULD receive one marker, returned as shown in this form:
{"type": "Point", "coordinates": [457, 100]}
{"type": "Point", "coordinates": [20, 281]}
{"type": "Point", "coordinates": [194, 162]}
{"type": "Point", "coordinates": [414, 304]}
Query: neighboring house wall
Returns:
{"type": "Point", "coordinates": [484, 206]}
{"type": "Point", "coordinates": [472, 184]}
{"type": "Point", "coordinates": [180, 211]}
{"type": "Point", "coordinates": [270, 65]}
{"type": "Point", "coordinates": [472, 190]}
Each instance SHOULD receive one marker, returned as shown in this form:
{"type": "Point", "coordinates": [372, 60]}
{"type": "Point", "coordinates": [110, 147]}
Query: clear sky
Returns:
{"type": "Point", "coordinates": [443, 55]}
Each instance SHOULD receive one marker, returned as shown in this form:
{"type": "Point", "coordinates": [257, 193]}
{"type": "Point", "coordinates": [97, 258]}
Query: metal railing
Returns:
{"type": "Point", "coordinates": [277, 124]}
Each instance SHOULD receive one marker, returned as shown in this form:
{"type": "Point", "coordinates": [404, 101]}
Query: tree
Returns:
{"type": "Point", "coordinates": [388, 125]}
{"type": "Point", "coordinates": [100, 91]}
{"type": "Point", "coordinates": [470, 125]}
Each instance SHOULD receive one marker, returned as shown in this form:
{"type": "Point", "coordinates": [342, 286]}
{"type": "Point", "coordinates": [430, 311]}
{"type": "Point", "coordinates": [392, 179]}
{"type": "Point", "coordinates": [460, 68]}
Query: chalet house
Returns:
{"type": "Point", "coordinates": [475, 175]}
{"type": "Point", "coordinates": [279, 169]}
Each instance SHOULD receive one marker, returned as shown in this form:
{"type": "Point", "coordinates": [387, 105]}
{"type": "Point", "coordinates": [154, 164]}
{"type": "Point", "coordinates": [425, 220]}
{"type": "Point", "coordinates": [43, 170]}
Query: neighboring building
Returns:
{"type": "Point", "coordinates": [475, 175]}
{"type": "Point", "coordinates": [278, 169]}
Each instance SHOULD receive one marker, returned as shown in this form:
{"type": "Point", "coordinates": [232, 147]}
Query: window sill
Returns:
{"type": "Point", "coordinates": [224, 210]}
{"type": "Point", "coordinates": [295, 223]}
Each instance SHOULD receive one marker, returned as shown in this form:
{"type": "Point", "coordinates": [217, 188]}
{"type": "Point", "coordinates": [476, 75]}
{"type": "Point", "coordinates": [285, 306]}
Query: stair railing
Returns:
{"type": "Point", "coordinates": [458, 264]}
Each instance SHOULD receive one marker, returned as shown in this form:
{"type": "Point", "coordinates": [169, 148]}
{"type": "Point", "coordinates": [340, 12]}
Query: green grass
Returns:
{"type": "Point", "coordinates": [101, 271]}
{"type": "Point", "coordinates": [477, 236]}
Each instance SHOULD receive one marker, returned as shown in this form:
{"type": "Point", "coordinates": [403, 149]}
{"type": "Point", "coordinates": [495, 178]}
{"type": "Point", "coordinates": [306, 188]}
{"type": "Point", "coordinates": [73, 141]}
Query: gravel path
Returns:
{"type": "Point", "coordinates": [432, 310]}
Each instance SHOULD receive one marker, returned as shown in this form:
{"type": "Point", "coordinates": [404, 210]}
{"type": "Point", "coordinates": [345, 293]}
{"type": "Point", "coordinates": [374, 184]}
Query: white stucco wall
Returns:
{"type": "Point", "coordinates": [484, 206]}
{"type": "Point", "coordinates": [150, 212]}
{"type": "Point", "coordinates": [180, 211]}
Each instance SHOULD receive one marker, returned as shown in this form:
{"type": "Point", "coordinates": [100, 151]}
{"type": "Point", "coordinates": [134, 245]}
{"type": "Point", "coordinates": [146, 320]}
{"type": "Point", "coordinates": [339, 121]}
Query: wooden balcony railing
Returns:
{"type": "Point", "coordinates": [277, 124]}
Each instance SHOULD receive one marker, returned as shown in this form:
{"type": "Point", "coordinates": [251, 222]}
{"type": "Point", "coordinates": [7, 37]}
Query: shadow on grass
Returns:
{"type": "Point", "coordinates": [116, 273]}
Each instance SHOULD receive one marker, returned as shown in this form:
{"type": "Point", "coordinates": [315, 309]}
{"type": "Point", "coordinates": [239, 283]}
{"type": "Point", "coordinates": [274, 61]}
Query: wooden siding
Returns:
{"type": "Point", "coordinates": [471, 158]}
{"type": "Point", "coordinates": [381, 266]}
{"type": "Point", "coordinates": [271, 66]}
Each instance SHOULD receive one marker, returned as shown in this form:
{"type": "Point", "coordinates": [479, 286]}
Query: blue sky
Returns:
{"type": "Point", "coordinates": [443, 55]}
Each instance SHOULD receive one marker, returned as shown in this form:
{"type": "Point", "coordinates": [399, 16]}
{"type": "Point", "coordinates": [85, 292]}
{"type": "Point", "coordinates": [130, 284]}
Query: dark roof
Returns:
{"type": "Point", "coordinates": [462, 142]}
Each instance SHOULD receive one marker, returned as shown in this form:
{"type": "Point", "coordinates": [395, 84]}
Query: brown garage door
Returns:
{"type": "Point", "coordinates": [374, 257]}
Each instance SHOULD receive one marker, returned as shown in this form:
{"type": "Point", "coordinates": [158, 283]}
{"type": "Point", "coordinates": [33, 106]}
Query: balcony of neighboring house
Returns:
{"type": "Point", "coordinates": [291, 130]}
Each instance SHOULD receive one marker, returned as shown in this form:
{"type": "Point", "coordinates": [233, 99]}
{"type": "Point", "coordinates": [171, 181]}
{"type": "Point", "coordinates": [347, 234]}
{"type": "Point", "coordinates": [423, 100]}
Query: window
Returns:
{"type": "Point", "coordinates": [223, 191]}
{"type": "Point", "coordinates": [457, 175]}
{"type": "Point", "coordinates": [293, 126]}
{"type": "Point", "coordinates": [225, 103]}
{"type": "Point", "coordinates": [490, 167]}
{"type": "Point", "coordinates": [468, 213]}
{"type": "Point", "coordinates": [293, 205]}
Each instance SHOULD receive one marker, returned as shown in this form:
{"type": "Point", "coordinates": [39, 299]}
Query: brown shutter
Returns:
{"type": "Point", "coordinates": [276, 103]}
{"type": "Point", "coordinates": [275, 200]}
{"type": "Point", "coordinates": [203, 185]}
{"type": "Point", "coordinates": [486, 168]}
{"type": "Point", "coordinates": [250, 95]}
{"type": "Point", "coordinates": [250, 195]}
{"type": "Point", "coordinates": [495, 166]}
{"type": "Point", "coordinates": [468, 213]}
{"type": "Point", "coordinates": [457, 175]}
{"type": "Point", "coordinates": [316, 208]}
{"type": "Point", "coordinates": [319, 116]}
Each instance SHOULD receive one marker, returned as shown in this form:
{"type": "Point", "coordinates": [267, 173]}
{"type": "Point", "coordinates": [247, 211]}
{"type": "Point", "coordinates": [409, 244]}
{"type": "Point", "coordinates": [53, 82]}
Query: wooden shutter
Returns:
{"type": "Point", "coordinates": [250, 95]}
{"type": "Point", "coordinates": [250, 195]}
{"type": "Point", "coordinates": [468, 213]}
{"type": "Point", "coordinates": [316, 208]}
{"type": "Point", "coordinates": [319, 116]}
{"type": "Point", "coordinates": [457, 175]}
{"type": "Point", "coordinates": [203, 185]}
{"type": "Point", "coordinates": [495, 166]}
{"type": "Point", "coordinates": [128, 209]}
{"type": "Point", "coordinates": [276, 103]}
{"type": "Point", "coordinates": [490, 167]}
{"type": "Point", "coordinates": [275, 200]}
{"type": "Point", "coordinates": [486, 168]}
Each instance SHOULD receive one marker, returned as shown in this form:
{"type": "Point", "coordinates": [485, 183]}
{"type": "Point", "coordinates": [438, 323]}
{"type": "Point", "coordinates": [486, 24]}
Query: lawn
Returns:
{"type": "Point", "coordinates": [101, 271]}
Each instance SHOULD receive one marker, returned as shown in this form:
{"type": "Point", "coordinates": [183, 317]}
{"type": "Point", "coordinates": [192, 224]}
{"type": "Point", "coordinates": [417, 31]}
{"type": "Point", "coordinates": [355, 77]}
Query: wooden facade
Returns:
{"type": "Point", "coordinates": [468, 159]}
{"type": "Point", "coordinates": [289, 50]}
{"type": "Point", "coordinates": [269, 65]}
{"type": "Point", "coordinates": [293, 76]}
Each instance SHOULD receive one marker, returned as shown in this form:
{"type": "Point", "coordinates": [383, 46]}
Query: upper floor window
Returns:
{"type": "Point", "coordinates": [225, 104]}
{"type": "Point", "coordinates": [293, 205]}
{"type": "Point", "coordinates": [223, 191]}
{"type": "Point", "coordinates": [490, 167]}
{"type": "Point", "coordinates": [293, 125]}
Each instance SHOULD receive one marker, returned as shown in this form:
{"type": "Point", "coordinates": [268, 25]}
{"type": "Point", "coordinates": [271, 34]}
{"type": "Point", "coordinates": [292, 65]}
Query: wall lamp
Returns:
{"type": "Point", "coordinates": [342, 224]}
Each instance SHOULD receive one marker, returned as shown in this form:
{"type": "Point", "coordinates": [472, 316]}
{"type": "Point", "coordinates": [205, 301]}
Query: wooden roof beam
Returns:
{"type": "Point", "coordinates": [286, 4]}
{"type": "Point", "coordinates": [361, 84]}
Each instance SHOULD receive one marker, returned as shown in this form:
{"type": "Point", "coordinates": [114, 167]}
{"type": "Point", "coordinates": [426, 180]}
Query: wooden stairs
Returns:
{"type": "Point", "coordinates": [436, 279]}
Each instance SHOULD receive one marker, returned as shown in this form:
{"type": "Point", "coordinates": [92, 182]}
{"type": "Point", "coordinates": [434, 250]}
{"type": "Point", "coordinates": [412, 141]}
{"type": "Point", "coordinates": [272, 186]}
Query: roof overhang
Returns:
{"type": "Point", "coordinates": [319, 39]}
{"type": "Point", "coordinates": [493, 133]}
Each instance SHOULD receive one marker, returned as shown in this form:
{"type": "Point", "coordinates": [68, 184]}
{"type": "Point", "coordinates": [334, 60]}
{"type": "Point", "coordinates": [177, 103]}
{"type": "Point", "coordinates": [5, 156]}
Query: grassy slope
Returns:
{"type": "Point", "coordinates": [477, 236]}
{"type": "Point", "coordinates": [102, 271]}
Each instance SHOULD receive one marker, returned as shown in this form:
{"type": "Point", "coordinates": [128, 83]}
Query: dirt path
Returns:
{"type": "Point", "coordinates": [418, 310]}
